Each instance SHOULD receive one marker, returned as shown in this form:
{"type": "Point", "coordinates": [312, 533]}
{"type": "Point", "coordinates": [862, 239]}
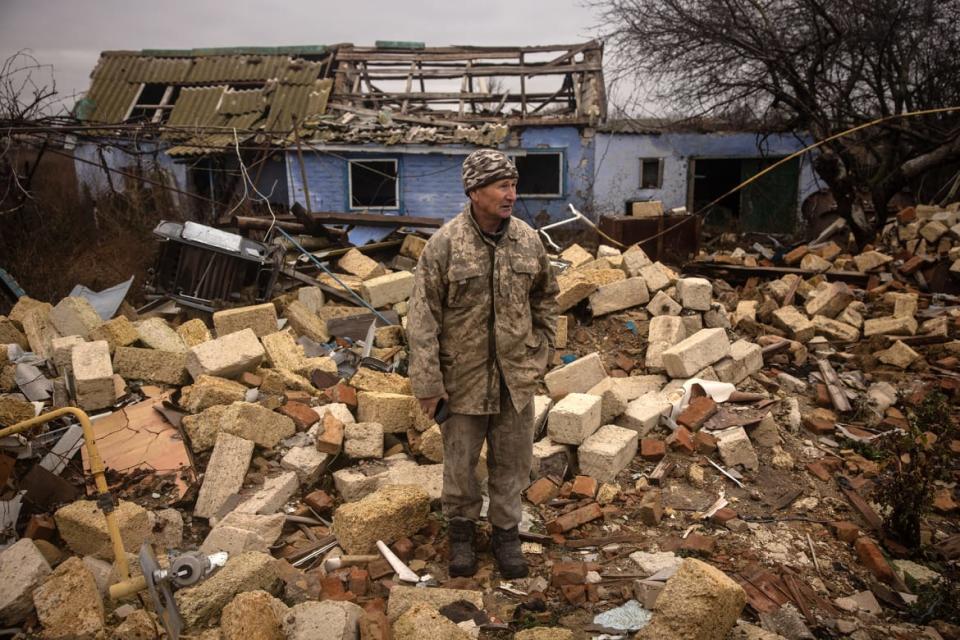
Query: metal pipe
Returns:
{"type": "Point", "coordinates": [96, 468]}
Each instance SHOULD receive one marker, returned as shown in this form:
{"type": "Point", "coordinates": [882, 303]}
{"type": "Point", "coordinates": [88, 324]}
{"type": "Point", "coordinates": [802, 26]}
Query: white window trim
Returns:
{"type": "Point", "coordinates": [659, 172]}
{"type": "Point", "coordinates": [396, 185]}
{"type": "Point", "coordinates": [547, 152]}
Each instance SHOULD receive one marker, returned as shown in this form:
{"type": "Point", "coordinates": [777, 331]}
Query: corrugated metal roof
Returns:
{"type": "Point", "coordinates": [292, 103]}
{"type": "Point", "coordinates": [111, 100]}
{"type": "Point", "coordinates": [197, 106]}
{"type": "Point", "coordinates": [243, 101]}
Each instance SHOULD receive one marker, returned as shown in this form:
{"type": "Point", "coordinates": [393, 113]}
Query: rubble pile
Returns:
{"type": "Point", "coordinates": [702, 466]}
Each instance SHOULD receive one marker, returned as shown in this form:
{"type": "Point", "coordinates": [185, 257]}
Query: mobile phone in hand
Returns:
{"type": "Point", "coordinates": [442, 412]}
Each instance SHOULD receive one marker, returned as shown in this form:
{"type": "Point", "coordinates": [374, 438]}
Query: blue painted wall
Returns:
{"type": "Point", "coordinates": [95, 178]}
{"type": "Point", "coordinates": [430, 183]}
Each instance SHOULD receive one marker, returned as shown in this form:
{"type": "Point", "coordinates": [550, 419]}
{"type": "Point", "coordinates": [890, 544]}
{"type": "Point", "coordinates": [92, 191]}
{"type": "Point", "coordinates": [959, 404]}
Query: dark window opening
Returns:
{"type": "Point", "coordinates": [373, 184]}
{"type": "Point", "coordinates": [651, 173]}
{"type": "Point", "coordinates": [154, 103]}
{"type": "Point", "coordinates": [767, 205]}
{"type": "Point", "coordinates": [540, 174]}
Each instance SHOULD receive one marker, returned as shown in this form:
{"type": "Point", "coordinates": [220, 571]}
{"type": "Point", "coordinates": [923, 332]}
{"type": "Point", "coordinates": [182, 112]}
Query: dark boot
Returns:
{"type": "Point", "coordinates": [506, 550]}
{"type": "Point", "coordinates": [463, 558]}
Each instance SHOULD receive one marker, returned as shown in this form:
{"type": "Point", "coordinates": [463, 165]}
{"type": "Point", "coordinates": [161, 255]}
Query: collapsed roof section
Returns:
{"type": "Point", "coordinates": [394, 93]}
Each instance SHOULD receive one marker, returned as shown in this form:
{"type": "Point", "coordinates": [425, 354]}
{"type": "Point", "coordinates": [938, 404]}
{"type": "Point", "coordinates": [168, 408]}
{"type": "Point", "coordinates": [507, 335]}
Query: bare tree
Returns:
{"type": "Point", "coordinates": [823, 66]}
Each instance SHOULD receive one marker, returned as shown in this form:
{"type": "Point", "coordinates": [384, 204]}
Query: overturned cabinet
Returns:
{"type": "Point", "coordinates": [207, 268]}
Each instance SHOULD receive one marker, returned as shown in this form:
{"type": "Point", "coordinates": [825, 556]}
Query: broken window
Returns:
{"type": "Point", "coordinates": [651, 173]}
{"type": "Point", "coordinates": [541, 174]}
{"type": "Point", "coordinates": [373, 184]}
{"type": "Point", "coordinates": [154, 103]}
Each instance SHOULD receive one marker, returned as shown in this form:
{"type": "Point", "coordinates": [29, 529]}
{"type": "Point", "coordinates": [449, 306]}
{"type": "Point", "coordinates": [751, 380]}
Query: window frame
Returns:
{"type": "Point", "coordinates": [396, 184]}
{"type": "Point", "coordinates": [660, 163]}
{"type": "Point", "coordinates": [161, 111]}
{"type": "Point", "coordinates": [561, 181]}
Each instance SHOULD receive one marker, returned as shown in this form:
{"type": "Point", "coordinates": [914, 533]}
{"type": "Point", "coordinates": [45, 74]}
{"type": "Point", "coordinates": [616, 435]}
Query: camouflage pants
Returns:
{"type": "Point", "coordinates": [509, 437]}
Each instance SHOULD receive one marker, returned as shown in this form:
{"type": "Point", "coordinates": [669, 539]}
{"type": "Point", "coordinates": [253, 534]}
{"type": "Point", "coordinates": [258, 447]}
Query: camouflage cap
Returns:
{"type": "Point", "coordinates": [484, 166]}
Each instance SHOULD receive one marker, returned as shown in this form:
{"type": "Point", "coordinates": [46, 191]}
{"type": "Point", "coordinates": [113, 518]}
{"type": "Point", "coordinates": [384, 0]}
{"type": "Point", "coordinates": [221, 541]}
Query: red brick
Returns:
{"type": "Point", "coordinates": [943, 501]}
{"type": "Point", "coordinates": [331, 439]}
{"type": "Point", "coordinates": [543, 490]}
{"type": "Point", "coordinates": [575, 594]}
{"type": "Point", "coordinates": [250, 379]}
{"type": "Point", "coordinates": [871, 556]}
{"type": "Point", "coordinates": [568, 573]}
{"type": "Point", "coordinates": [319, 501]}
{"type": "Point", "coordinates": [293, 395]}
{"type": "Point", "coordinates": [697, 412]}
{"type": "Point", "coordinates": [705, 443]}
{"type": "Point", "coordinates": [342, 392]}
{"type": "Point", "coordinates": [912, 265]}
{"type": "Point", "coordinates": [724, 515]}
{"type": "Point", "coordinates": [651, 508]}
{"type": "Point", "coordinates": [796, 255]}
{"type": "Point", "coordinates": [950, 362]}
{"type": "Point", "coordinates": [584, 487]}
{"type": "Point", "coordinates": [359, 581]}
{"type": "Point", "coordinates": [302, 415]}
{"type": "Point", "coordinates": [379, 568]}
{"type": "Point", "coordinates": [574, 519]}
{"type": "Point", "coordinates": [823, 395]}
{"type": "Point", "coordinates": [819, 470]}
{"type": "Point", "coordinates": [625, 363]}
{"type": "Point", "coordinates": [845, 531]}
{"type": "Point", "coordinates": [40, 527]}
{"type": "Point", "coordinates": [820, 421]}
{"type": "Point", "coordinates": [681, 440]}
{"type": "Point", "coordinates": [906, 216]}
{"type": "Point", "coordinates": [403, 548]}
{"type": "Point", "coordinates": [652, 450]}
{"type": "Point", "coordinates": [955, 446]}
{"type": "Point", "coordinates": [700, 545]}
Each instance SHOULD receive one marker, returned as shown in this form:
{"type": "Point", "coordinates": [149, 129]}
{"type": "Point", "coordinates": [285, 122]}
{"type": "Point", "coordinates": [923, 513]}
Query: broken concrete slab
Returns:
{"type": "Point", "coordinates": [388, 514]}
{"type": "Point", "coordinates": [224, 476]}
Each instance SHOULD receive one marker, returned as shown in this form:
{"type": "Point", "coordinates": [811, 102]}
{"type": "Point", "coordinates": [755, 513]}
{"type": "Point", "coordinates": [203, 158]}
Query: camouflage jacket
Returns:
{"type": "Point", "coordinates": [481, 308]}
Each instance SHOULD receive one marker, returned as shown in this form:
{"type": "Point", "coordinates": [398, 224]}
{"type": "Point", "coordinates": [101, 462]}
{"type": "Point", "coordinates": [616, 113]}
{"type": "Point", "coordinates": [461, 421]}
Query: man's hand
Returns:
{"type": "Point", "coordinates": [429, 405]}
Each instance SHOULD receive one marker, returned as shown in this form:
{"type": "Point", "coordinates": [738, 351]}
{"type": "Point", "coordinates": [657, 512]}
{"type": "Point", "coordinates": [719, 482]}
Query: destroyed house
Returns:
{"type": "Point", "coordinates": [343, 128]}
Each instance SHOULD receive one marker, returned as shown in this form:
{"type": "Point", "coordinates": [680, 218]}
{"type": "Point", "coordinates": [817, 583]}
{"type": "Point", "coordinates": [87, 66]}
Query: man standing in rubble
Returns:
{"type": "Point", "coordinates": [481, 332]}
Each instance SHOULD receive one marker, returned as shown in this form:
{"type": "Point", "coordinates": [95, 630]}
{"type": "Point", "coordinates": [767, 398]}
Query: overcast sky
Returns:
{"type": "Point", "coordinates": [70, 34]}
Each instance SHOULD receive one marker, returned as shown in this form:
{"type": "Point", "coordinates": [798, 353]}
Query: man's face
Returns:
{"type": "Point", "coordinates": [495, 201]}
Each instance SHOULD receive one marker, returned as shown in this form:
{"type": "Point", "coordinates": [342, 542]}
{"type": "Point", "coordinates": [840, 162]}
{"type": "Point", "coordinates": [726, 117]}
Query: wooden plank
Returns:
{"type": "Point", "coordinates": [731, 271]}
{"type": "Point", "coordinates": [376, 219]}
{"type": "Point", "coordinates": [834, 386]}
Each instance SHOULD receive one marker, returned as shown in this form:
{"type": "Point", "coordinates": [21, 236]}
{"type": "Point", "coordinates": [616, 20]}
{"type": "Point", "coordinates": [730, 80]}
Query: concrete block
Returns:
{"type": "Point", "coordinates": [254, 614]}
{"type": "Point", "coordinates": [899, 355]}
{"type": "Point", "coordinates": [118, 332]}
{"type": "Point", "coordinates": [431, 444]}
{"type": "Point", "coordinates": [224, 475]}
{"type": "Point", "coordinates": [63, 351]}
{"type": "Point", "coordinates": [326, 620]}
{"type": "Point", "coordinates": [663, 333]}
{"type": "Point", "coordinates": [835, 330]}
{"type": "Point", "coordinates": [574, 418]}
{"type": "Point", "coordinates": [68, 603]}
{"type": "Point", "coordinates": [696, 352]}
{"type": "Point", "coordinates": [577, 377]}
{"type": "Point", "coordinates": [10, 334]}
{"type": "Point", "coordinates": [306, 322]}
{"type": "Point", "coordinates": [830, 301]}
{"type": "Point", "coordinates": [424, 621]}
{"type": "Point", "coordinates": [633, 387]}
{"type": "Point", "coordinates": [545, 451]}
{"type": "Point", "coordinates": [813, 262]}
{"type": "Point", "coordinates": [311, 297]}
{"type": "Point", "coordinates": [658, 276]}
{"type": "Point", "coordinates": [308, 463]}
{"type": "Point", "coordinates": [870, 260]}
{"type": "Point", "coordinates": [574, 288]}
{"type": "Point", "coordinates": [203, 603]}
{"type": "Point", "coordinates": [402, 598]}
{"type": "Point", "coordinates": [613, 399]}
{"type": "Point", "coordinates": [736, 449]}
{"type": "Point", "coordinates": [262, 318]}
{"type": "Point", "coordinates": [693, 323]}
{"type": "Point", "coordinates": [151, 365]}
{"type": "Point", "coordinates": [275, 493]}
{"type": "Point", "coordinates": [634, 259]}
{"type": "Point", "coordinates": [157, 334]}
{"type": "Point", "coordinates": [353, 483]}
{"type": "Point", "coordinates": [238, 532]}
{"type": "Point", "coordinates": [932, 231]}
{"type": "Point", "coordinates": [254, 422]}
{"type": "Point", "coordinates": [93, 374]}
{"type": "Point", "coordinates": [716, 318]}
{"type": "Point", "coordinates": [795, 323]}
{"type": "Point", "coordinates": [283, 352]}
{"type": "Point", "coordinates": [391, 336]}
{"type": "Point", "coordinates": [746, 311]}
{"type": "Point", "coordinates": [607, 452]}
{"type": "Point", "coordinates": [38, 329]}
{"type": "Point", "coordinates": [388, 514]}
{"type": "Point", "coordinates": [23, 306]}
{"type": "Point", "coordinates": [576, 255]}
{"type": "Point", "coordinates": [745, 359]}
{"type": "Point", "coordinates": [22, 569]}
{"type": "Point", "coordinates": [356, 263]}
{"type": "Point", "coordinates": [904, 304]}
{"type": "Point", "coordinates": [388, 289]}
{"type": "Point", "coordinates": [363, 440]}
{"type": "Point", "coordinates": [695, 293]}
{"type": "Point", "coordinates": [560, 341]}
{"type": "Point", "coordinates": [226, 357]}
{"type": "Point", "coordinates": [619, 295]}
{"type": "Point", "coordinates": [890, 325]}
{"type": "Point", "coordinates": [370, 380]}
{"type": "Point", "coordinates": [194, 332]}
{"type": "Point", "coordinates": [699, 602]}
{"type": "Point", "coordinates": [209, 391]}
{"type": "Point", "coordinates": [83, 527]}
{"type": "Point", "coordinates": [75, 316]}
{"type": "Point", "coordinates": [541, 407]}
{"type": "Point", "coordinates": [392, 410]}
{"type": "Point", "coordinates": [663, 305]}
{"type": "Point", "coordinates": [428, 477]}
{"type": "Point", "coordinates": [412, 246]}
{"type": "Point", "coordinates": [643, 414]}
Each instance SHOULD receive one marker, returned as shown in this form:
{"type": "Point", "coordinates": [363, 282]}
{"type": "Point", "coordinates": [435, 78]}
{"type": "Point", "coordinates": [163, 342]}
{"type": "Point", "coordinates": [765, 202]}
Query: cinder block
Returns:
{"type": "Point", "coordinates": [363, 440]}
{"type": "Point", "coordinates": [262, 318]}
{"type": "Point", "coordinates": [224, 475]}
{"type": "Point", "coordinates": [643, 414]}
{"type": "Point", "coordinates": [745, 359]}
{"type": "Point", "coordinates": [392, 410]}
{"type": "Point", "coordinates": [75, 316]}
{"type": "Point", "coordinates": [607, 452]}
{"type": "Point", "coordinates": [93, 374]}
{"type": "Point", "coordinates": [118, 332]}
{"type": "Point", "coordinates": [306, 322]}
{"type": "Point", "coordinates": [63, 351]}
{"type": "Point", "coordinates": [389, 514]}
{"type": "Point", "coordinates": [151, 365]}
{"type": "Point", "coordinates": [663, 333]}
{"type": "Point", "coordinates": [356, 263]}
{"type": "Point", "coordinates": [388, 289]}
{"type": "Point", "coordinates": [194, 332]}
{"type": "Point", "coordinates": [695, 293]}
{"type": "Point", "coordinates": [692, 354]}
{"type": "Point", "coordinates": [735, 448]}
{"type": "Point", "coordinates": [577, 377]}
{"type": "Point", "coordinates": [574, 418]}
{"type": "Point", "coordinates": [226, 357]}
{"type": "Point", "coordinates": [311, 297]}
{"type": "Point", "coordinates": [282, 351]}
{"type": "Point", "coordinates": [157, 334]}
{"type": "Point", "coordinates": [613, 399]}
{"type": "Point", "coordinates": [209, 391]}
{"type": "Point", "coordinates": [794, 323]}
{"type": "Point", "coordinates": [658, 276]}
{"type": "Point", "coordinates": [619, 295]}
